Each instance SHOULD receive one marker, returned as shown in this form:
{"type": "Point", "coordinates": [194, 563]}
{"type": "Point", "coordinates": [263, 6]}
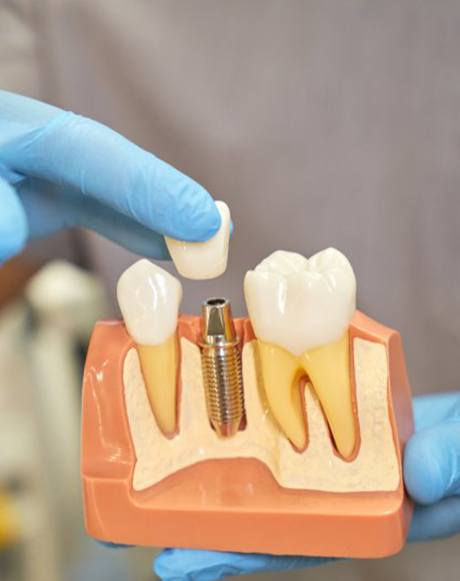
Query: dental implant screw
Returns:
{"type": "Point", "coordinates": [221, 364]}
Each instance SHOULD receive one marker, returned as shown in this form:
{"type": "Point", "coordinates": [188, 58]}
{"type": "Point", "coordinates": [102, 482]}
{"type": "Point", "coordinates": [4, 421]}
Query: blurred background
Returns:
{"type": "Point", "coordinates": [344, 115]}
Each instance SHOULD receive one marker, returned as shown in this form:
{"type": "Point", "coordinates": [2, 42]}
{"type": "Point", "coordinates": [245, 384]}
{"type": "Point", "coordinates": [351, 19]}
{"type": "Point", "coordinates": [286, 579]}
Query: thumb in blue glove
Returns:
{"type": "Point", "coordinates": [432, 467]}
{"type": "Point", "coordinates": [59, 170]}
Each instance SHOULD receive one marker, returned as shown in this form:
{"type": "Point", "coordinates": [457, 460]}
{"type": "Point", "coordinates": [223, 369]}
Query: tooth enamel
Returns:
{"type": "Point", "coordinates": [300, 310]}
{"type": "Point", "coordinates": [286, 289]}
{"type": "Point", "coordinates": [149, 299]}
{"type": "Point", "coordinates": [203, 260]}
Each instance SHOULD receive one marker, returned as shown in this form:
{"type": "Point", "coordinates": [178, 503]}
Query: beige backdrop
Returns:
{"type": "Point", "coordinates": [319, 122]}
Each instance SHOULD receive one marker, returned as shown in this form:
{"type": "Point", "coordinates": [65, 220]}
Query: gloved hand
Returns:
{"type": "Point", "coordinates": [432, 476]}
{"type": "Point", "coordinates": [59, 170]}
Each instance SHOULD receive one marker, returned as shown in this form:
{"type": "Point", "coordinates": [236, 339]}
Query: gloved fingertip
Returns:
{"type": "Point", "coordinates": [183, 208]}
{"type": "Point", "coordinates": [423, 470]}
{"type": "Point", "coordinates": [200, 222]}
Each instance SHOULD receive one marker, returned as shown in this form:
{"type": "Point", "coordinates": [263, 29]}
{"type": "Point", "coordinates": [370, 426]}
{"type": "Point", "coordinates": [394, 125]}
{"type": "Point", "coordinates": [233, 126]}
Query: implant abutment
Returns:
{"type": "Point", "coordinates": [221, 365]}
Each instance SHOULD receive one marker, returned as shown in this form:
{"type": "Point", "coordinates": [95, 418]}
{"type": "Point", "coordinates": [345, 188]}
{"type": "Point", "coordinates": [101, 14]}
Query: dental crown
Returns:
{"type": "Point", "coordinates": [299, 303]}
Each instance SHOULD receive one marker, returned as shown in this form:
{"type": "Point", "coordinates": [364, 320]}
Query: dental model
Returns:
{"type": "Point", "coordinates": [300, 310]}
{"type": "Point", "coordinates": [203, 260]}
{"type": "Point", "coordinates": [282, 433]}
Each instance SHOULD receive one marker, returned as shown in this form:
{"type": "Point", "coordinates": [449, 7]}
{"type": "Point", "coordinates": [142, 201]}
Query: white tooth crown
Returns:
{"type": "Point", "coordinates": [203, 260]}
{"type": "Point", "coordinates": [299, 303]}
{"type": "Point", "coordinates": [149, 299]}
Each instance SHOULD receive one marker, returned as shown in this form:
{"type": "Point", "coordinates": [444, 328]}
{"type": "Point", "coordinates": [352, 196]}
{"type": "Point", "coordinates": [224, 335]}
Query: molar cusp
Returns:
{"type": "Point", "coordinates": [328, 259]}
{"type": "Point", "coordinates": [283, 263]}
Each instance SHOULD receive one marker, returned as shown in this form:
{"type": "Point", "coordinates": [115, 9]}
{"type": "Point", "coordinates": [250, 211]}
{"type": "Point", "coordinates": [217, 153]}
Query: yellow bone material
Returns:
{"type": "Point", "coordinates": [159, 364]}
{"type": "Point", "coordinates": [328, 370]}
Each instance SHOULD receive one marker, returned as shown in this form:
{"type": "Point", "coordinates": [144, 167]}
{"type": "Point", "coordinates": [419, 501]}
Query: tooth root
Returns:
{"type": "Point", "coordinates": [328, 369]}
{"type": "Point", "coordinates": [159, 364]}
{"type": "Point", "coordinates": [280, 374]}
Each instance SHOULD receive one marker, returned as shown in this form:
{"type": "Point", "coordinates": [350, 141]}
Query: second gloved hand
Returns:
{"type": "Point", "coordinates": [59, 170]}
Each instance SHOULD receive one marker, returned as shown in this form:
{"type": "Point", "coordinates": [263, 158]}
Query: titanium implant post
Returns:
{"type": "Point", "coordinates": [221, 364]}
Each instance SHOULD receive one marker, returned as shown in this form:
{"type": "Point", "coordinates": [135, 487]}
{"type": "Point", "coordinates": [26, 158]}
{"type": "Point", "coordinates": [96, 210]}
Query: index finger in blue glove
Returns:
{"type": "Point", "coordinates": [193, 565]}
{"type": "Point", "coordinates": [13, 222]}
{"type": "Point", "coordinates": [41, 141]}
{"type": "Point", "coordinates": [48, 211]}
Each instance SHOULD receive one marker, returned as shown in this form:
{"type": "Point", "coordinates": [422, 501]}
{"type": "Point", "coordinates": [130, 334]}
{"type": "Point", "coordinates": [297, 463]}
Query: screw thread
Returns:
{"type": "Point", "coordinates": [221, 365]}
{"type": "Point", "coordinates": [223, 384]}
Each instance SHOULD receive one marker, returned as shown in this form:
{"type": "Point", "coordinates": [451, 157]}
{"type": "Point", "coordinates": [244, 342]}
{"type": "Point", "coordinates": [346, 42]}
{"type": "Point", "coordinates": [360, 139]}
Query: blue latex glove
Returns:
{"type": "Point", "coordinates": [59, 170]}
{"type": "Point", "coordinates": [432, 476]}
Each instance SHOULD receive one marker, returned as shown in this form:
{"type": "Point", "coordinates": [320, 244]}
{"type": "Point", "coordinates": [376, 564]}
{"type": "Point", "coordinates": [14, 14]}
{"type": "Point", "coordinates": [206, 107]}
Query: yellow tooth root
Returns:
{"type": "Point", "coordinates": [281, 375]}
{"type": "Point", "coordinates": [328, 370]}
{"type": "Point", "coordinates": [160, 365]}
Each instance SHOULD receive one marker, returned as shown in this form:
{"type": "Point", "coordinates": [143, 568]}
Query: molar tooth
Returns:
{"type": "Point", "coordinates": [203, 260]}
{"type": "Point", "coordinates": [304, 307]}
{"type": "Point", "coordinates": [149, 299]}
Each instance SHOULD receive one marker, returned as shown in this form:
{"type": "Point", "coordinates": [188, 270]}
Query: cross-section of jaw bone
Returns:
{"type": "Point", "coordinates": [300, 310]}
{"type": "Point", "coordinates": [375, 467]}
{"type": "Point", "coordinates": [149, 299]}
